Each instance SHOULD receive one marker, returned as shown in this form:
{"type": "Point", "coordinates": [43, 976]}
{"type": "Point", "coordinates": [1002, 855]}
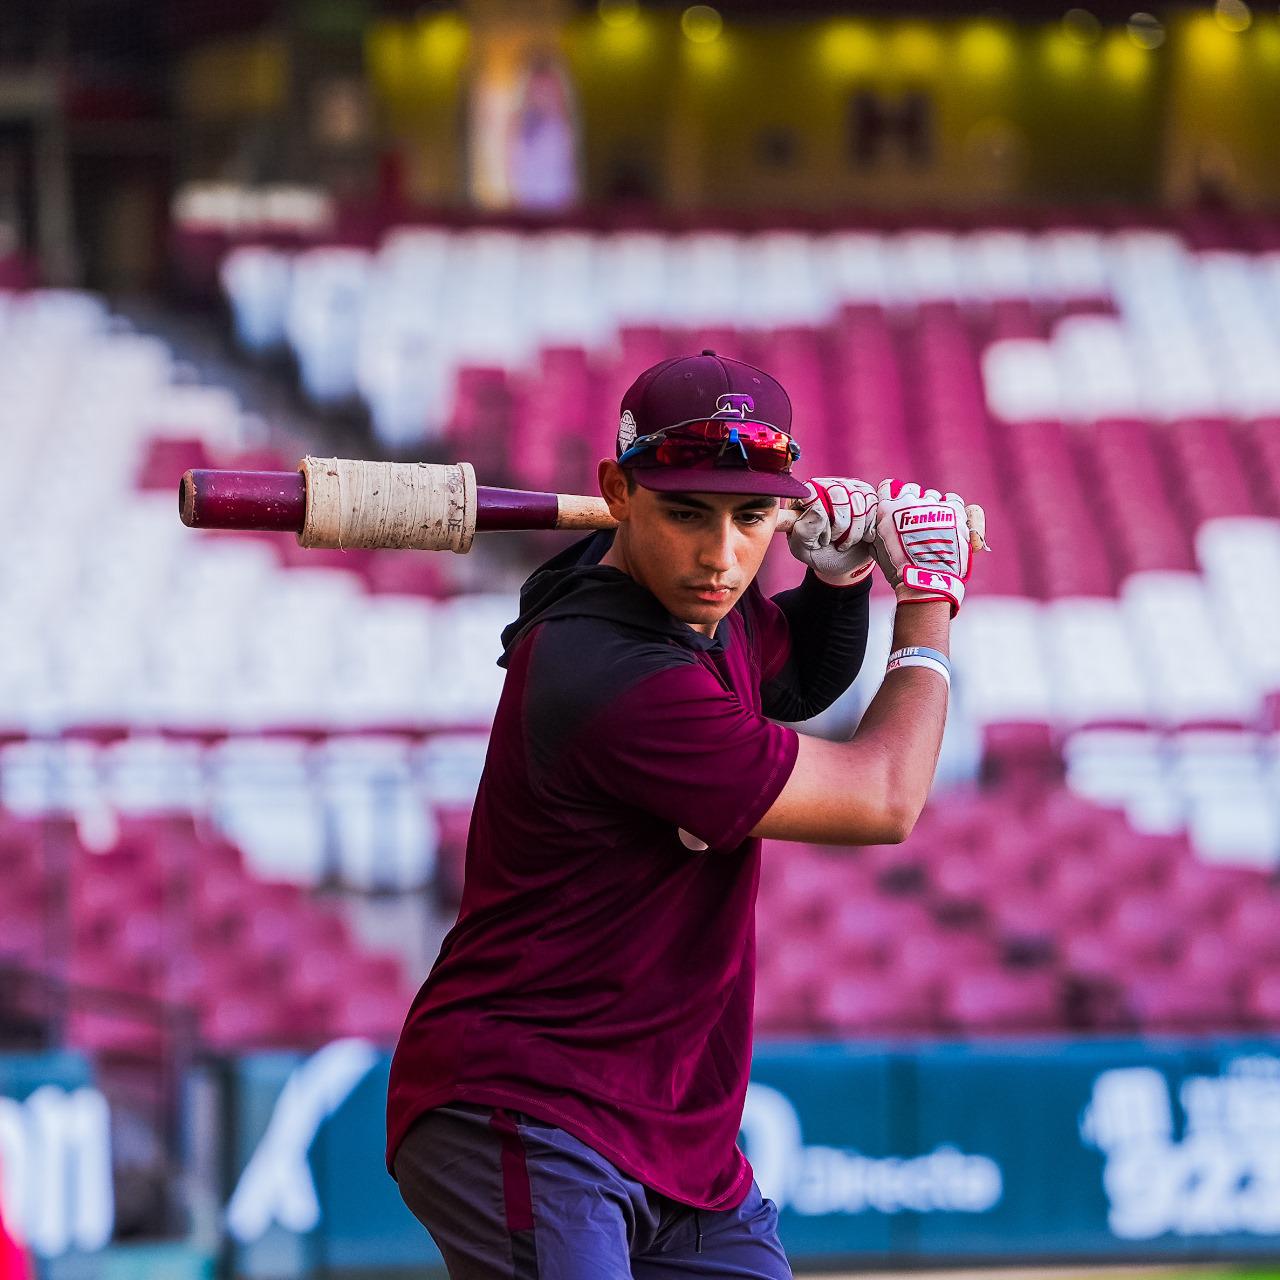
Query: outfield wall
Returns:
{"type": "Point", "coordinates": [1112, 1149]}
{"type": "Point", "coordinates": [877, 1155]}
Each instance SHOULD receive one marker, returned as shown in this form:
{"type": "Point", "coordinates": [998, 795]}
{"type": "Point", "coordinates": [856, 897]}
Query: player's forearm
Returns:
{"type": "Point", "coordinates": [903, 725]}
{"type": "Point", "coordinates": [828, 638]}
{"type": "Point", "coordinates": [871, 789]}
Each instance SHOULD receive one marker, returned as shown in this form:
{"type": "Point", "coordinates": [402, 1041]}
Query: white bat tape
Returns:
{"type": "Point", "coordinates": [420, 505]}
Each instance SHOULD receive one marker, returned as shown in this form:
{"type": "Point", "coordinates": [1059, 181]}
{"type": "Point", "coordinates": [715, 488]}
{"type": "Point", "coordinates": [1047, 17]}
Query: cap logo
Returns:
{"type": "Point", "coordinates": [626, 431]}
{"type": "Point", "coordinates": [734, 405]}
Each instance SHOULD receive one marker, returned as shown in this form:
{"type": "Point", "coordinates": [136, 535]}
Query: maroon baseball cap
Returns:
{"type": "Point", "coordinates": [705, 387]}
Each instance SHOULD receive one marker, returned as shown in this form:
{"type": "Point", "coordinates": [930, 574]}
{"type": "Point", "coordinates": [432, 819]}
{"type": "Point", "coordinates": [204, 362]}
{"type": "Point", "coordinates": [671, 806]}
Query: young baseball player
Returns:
{"type": "Point", "coordinates": [566, 1095]}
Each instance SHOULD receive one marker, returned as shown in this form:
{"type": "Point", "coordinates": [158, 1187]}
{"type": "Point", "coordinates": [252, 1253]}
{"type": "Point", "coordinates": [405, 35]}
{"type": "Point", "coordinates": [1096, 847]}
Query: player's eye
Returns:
{"type": "Point", "coordinates": [688, 517]}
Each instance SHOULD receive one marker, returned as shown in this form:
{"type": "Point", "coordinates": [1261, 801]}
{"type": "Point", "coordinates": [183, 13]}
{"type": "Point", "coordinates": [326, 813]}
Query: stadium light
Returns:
{"type": "Point", "coordinates": [441, 43]}
{"type": "Point", "coordinates": [701, 23]}
{"type": "Point", "coordinates": [849, 48]}
{"type": "Point", "coordinates": [985, 50]}
{"type": "Point", "coordinates": [1146, 30]}
{"type": "Point", "coordinates": [624, 30]}
{"type": "Point", "coordinates": [1062, 54]}
{"type": "Point", "coordinates": [914, 49]}
{"type": "Point", "coordinates": [1232, 15]}
{"type": "Point", "coordinates": [619, 14]}
{"type": "Point", "coordinates": [1213, 49]}
{"type": "Point", "coordinates": [1081, 26]}
{"type": "Point", "coordinates": [1124, 60]}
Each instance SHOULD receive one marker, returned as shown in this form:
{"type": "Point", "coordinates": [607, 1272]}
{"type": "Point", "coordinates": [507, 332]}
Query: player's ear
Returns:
{"type": "Point", "coordinates": [613, 488]}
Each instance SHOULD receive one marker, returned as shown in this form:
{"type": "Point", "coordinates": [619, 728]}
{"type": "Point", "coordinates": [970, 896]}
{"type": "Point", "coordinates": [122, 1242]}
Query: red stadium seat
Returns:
{"type": "Point", "coordinates": [1253, 925]}
{"type": "Point", "coordinates": [1215, 958]}
{"type": "Point", "coordinates": [1261, 1003]}
{"type": "Point", "coordinates": [997, 1001]}
{"type": "Point", "coordinates": [1144, 928]}
{"type": "Point", "coordinates": [860, 1005]}
{"type": "Point", "coordinates": [865, 930]}
{"type": "Point", "coordinates": [924, 960]}
{"type": "Point", "coordinates": [1078, 890]}
{"type": "Point", "coordinates": [1175, 1000]}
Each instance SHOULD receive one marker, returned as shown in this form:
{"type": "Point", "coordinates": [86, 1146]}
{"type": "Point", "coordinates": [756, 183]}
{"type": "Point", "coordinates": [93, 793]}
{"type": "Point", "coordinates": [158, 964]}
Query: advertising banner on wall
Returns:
{"type": "Point", "coordinates": [312, 1191]}
{"type": "Point", "coordinates": [1109, 1149]}
{"type": "Point", "coordinates": [55, 1155]}
{"type": "Point", "coordinates": [832, 1135]}
{"type": "Point", "coordinates": [1118, 1149]}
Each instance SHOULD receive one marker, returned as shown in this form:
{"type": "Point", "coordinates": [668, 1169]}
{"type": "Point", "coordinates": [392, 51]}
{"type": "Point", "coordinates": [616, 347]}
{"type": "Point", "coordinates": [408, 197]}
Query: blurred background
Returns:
{"type": "Point", "coordinates": [1030, 252]}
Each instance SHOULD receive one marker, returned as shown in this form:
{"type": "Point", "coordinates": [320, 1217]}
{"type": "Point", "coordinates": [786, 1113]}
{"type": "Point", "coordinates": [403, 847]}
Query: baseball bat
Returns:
{"type": "Point", "coordinates": [335, 502]}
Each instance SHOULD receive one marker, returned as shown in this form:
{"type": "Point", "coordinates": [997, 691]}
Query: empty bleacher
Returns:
{"type": "Point", "coordinates": [236, 725]}
{"type": "Point", "coordinates": [1015, 911]}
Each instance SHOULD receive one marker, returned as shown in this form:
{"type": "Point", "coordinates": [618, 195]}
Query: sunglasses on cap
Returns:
{"type": "Point", "coordinates": [755, 444]}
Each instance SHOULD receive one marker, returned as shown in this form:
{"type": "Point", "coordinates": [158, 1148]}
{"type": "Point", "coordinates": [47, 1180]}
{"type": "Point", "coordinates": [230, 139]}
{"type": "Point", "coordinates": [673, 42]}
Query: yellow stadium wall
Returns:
{"type": "Point", "coordinates": [418, 74]}
{"type": "Point", "coordinates": [1224, 110]}
{"type": "Point", "coordinates": [1016, 114]}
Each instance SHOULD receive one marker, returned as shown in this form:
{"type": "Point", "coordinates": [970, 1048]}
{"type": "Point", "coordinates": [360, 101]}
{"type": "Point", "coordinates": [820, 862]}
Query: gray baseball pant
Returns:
{"type": "Point", "coordinates": [507, 1197]}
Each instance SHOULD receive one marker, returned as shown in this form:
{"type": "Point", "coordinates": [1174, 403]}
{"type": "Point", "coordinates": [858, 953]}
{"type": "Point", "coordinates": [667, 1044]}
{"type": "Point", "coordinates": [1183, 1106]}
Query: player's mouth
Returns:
{"type": "Point", "coordinates": [712, 595]}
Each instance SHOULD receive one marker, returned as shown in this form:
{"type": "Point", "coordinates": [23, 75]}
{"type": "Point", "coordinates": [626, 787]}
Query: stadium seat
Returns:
{"type": "Point", "coordinates": [1176, 1001]}
{"type": "Point", "coordinates": [982, 1001]}
{"type": "Point", "coordinates": [854, 1005]}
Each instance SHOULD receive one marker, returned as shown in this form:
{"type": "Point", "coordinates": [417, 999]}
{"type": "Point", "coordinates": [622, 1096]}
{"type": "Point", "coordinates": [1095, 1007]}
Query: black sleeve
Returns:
{"type": "Point", "coordinates": [828, 633]}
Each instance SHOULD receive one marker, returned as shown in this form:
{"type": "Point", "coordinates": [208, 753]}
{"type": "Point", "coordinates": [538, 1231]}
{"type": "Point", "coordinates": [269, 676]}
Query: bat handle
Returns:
{"type": "Point", "coordinates": [577, 512]}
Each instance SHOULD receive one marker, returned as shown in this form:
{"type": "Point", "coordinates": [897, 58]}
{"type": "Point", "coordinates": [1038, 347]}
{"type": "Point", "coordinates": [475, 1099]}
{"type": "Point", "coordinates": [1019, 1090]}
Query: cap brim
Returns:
{"type": "Point", "coordinates": [718, 480]}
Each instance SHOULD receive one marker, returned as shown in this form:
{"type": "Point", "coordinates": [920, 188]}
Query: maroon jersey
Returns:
{"type": "Point", "coordinates": [600, 976]}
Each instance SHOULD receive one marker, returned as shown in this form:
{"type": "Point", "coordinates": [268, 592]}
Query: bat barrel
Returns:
{"type": "Point", "coordinates": [273, 501]}
{"type": "Point", "coordinates": [276, 502]}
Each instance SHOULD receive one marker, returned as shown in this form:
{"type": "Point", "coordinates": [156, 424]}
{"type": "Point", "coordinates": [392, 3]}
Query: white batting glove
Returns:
{"type": "Point", "coordinates": [922, 543]}
{"type": "Point", "coordinates": [833, 535]}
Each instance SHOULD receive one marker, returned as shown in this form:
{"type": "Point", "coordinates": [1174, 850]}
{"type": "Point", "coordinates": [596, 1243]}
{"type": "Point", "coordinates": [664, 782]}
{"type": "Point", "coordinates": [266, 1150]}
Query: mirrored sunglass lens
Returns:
{"type": "Point", "coordinates": [762, 436]}
{"type": "Point", "coordinates": [770, 459]}
{"type": "Point", "coordinates": [757, 459]}
{"type": "Point", "coordinates": [677, 452]}
{"type": "Point", "coordinates": [766, 448]}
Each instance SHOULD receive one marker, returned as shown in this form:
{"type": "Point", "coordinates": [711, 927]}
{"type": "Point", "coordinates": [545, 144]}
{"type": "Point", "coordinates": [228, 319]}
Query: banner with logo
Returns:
{"type": "Point", "coordinates": [833, 1135]}
{"type": "Point", "coordinates": [55, 1155]}
{"type": "Point", "coordinates": [1121, 1149]}
{"type": "Point", "coordinates": [1106, 1148]}
{"type": "Point", "coordinates": [312, 1192]}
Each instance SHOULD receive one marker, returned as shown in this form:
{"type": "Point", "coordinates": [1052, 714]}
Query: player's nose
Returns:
{"type": "Point", "coordinates": [716, 552]}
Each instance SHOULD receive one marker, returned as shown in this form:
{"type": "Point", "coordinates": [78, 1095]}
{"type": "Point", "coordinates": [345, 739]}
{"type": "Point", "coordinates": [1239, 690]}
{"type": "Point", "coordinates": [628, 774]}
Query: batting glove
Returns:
{"type": "Point", "coordinates": [921, 543]}
{"type": "Point", "coordinates": [833, 533]}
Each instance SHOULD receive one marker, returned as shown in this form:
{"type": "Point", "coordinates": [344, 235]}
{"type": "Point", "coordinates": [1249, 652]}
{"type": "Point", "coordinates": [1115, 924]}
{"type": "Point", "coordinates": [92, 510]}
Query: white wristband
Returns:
{"type": "Point", "coordinates": [919, 656]}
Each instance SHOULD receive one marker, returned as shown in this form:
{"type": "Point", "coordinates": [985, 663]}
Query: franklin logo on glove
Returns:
{"type": "Point", "coordinates": [934, 518]}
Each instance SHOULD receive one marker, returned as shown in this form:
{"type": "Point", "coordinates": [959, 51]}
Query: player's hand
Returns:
{"type": "Point", "coordinates": [833, 533]}
{"type": "Point", "coordinates": [922, 543]}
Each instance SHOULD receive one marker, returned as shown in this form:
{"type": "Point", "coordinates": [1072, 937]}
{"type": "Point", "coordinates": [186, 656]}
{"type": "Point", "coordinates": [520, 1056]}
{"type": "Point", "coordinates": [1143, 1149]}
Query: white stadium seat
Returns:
{"type": "Point", "coordinates": [1096, 672]}
{"type": "Point", "coordinates": [256, 280]}
{"type": "Point", "coordinates": [1001, 658]}
{"type": "Point", "coordinates": [1179, 643]}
